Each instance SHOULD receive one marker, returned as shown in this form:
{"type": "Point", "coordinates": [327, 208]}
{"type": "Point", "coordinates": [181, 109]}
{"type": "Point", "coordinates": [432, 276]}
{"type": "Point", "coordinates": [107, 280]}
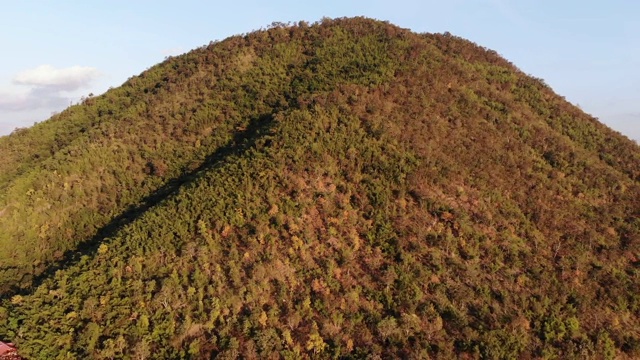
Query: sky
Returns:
{"type": "Point", "coordinates": [56, 51]}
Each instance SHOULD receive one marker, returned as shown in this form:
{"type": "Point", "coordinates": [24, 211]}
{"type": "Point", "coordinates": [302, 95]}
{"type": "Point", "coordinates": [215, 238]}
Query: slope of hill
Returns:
{"type": "Point", "coordinates": [346, 189]}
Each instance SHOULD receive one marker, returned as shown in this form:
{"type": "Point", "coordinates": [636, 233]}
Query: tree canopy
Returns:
{"type": "Point", "coordinates": [344, 189]}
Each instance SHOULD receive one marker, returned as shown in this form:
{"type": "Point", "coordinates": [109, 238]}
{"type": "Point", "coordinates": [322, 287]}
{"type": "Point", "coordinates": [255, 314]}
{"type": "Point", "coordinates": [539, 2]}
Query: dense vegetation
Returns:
{"type": "Point", "coordinates": [346, 189]}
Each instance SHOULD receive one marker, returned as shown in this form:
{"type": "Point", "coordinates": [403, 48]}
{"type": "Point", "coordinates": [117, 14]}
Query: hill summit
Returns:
{"type": "Point", "coordinates": [345, 189]}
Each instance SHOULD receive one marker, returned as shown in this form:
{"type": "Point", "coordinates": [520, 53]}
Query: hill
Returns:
{"type": "Point", "coordinates": [342, 189]}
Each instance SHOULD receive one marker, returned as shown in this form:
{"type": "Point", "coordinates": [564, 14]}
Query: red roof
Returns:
{"type": "Point", "coordinates": [7, 348]}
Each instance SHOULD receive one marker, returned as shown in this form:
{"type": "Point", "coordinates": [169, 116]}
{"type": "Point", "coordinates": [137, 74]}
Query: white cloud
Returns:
{"type": "Point", "coordinates": [36, 98]}
{"type": "Point", "coordinates": [173, 51]}
{"type": "Point", "coordinates": [66, 79]}
{"type": "Point", "coordinates": [46, 87]}
{"type": "Point", "coordinates": [11, 101]}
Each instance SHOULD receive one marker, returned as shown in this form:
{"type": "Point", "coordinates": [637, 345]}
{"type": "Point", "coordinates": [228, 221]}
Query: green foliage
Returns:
{"type": "Point", "coordinates": [347, 189]}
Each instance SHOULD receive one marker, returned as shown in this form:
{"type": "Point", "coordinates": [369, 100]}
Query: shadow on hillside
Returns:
{"type": "Point", "coordinates": [243, 140]}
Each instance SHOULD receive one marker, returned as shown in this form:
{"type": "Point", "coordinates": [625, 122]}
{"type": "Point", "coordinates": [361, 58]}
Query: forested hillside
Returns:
{"type": "Point", "coordinates": [344, 189]}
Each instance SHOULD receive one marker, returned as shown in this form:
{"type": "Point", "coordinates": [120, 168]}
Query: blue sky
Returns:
{"type": "Point", "coordinates": [56, 51]}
